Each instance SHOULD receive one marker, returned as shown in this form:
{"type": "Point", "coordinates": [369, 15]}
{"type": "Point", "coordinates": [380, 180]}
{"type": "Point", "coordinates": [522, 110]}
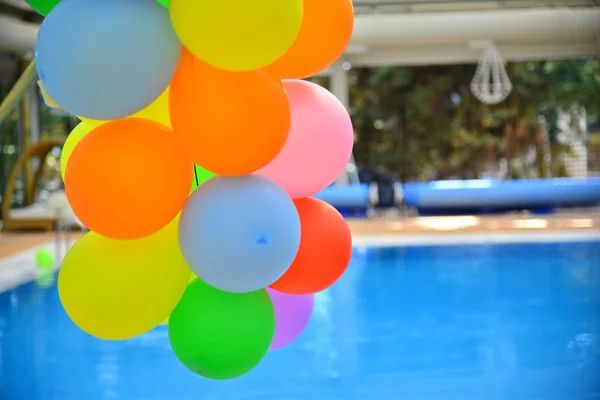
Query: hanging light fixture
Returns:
{"type": "Point", "coordinates": [491, 84]}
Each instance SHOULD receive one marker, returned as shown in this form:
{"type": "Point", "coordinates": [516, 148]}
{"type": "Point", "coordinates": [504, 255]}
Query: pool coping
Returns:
{"type": "Point", "coordinates": [476, 238]}
{"type": "Point", "coordinates": [19, 269]}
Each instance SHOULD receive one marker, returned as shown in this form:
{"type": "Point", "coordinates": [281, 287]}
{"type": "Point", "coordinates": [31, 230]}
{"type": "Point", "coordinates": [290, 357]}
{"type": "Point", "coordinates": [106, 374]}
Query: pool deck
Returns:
{"type": "Point", "coordinates": [477, 224]}
{"type": "Point", "coordinates": [584, 222]}
{"type": "Point", "coordinates": [17, 250]}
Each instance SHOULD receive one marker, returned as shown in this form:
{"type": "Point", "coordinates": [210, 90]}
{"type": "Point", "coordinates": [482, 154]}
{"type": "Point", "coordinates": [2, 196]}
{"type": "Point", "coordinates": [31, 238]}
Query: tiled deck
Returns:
{"type": "Point", "coordinates": [17, 255]}
{"type": "Point", "coordinates": [14, 243]}
{"type": "Point", "coordinates": [504, 223]}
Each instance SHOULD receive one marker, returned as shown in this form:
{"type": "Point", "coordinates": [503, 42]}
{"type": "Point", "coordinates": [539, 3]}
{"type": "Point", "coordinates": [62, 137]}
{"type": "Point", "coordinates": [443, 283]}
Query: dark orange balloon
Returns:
{"type": "Point", "coordinates": [325, 249]}
{"type": "Point", "coordinates": [232, 123]}
{"type": "Point", "coordinates": [325, 32]}
{"type": "Point", "coordinates": [128, 178]}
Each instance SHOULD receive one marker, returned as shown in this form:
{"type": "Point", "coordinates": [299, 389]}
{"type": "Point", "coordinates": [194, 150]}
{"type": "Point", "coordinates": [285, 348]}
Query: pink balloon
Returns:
{"type": "Point", "coordinates": [319, 145]}
{"type": "Point", "coordinates": [292, 314]}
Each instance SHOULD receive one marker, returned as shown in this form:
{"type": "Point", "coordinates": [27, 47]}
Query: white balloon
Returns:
{"type": "Point", "coordinates": [239, 234]}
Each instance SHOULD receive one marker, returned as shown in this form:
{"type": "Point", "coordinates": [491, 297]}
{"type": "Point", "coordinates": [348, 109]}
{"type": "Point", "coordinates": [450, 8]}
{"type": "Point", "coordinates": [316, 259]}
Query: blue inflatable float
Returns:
{"type": "Point", "coordinates": [481, 196]}
{"type": "Point", "coordinates": [471, 196]}
{"type": "Point", "coordinates": [346, 196]}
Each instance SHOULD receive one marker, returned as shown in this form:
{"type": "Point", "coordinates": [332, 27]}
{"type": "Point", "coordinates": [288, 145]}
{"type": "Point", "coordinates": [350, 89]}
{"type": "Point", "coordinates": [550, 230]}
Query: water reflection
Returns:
{"type": "Point", "coordinates": [513, 322]}
{"type": "Point", "coordinates": [324, 347]}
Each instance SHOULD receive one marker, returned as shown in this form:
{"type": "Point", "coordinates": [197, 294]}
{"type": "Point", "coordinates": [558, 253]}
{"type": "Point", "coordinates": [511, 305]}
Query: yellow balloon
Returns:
{"type": "Point", "coordinates": [74, 137]}
{"type": "Point", "coordinates": [92, 122]}
{"type": "Point", "coordinates": [237, 35]}
{"type": "Point", "coordinates": [119, 289]}
{"type": "Point", "coordinates": [158, 111]}
{"type": "Point", "coordinates": [192, 277]}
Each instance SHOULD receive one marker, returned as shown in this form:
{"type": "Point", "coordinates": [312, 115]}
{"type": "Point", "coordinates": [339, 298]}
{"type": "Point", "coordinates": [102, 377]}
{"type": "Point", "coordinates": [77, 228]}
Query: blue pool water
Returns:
{"type": "Point", "coordinates": [514, 322]}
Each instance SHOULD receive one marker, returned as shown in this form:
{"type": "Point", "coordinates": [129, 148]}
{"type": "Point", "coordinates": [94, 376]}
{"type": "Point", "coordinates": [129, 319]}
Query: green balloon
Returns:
{"type": "Point", "coordinates": [221, 335]}
{"type": "Point", "coordinates": [200, 176]}
{"type": "Point", "coordinates": [164, 3]}
{"type": "Point", "coordinates": [43, 6]}
{"type": "Point", "coordinates": [44, 259]}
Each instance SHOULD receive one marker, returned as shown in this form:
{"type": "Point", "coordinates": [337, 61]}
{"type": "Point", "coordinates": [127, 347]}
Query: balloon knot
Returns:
{"type": "Point", "coordinates": [262, 240]}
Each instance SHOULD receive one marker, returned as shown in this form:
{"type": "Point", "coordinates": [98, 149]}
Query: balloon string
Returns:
{"type": "Point", "coordinates": [196, 176]}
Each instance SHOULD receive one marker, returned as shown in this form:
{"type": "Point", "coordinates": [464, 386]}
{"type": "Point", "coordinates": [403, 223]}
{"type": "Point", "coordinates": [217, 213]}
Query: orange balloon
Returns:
{"type": "Point", "coordinates": [325, 32]}
{"type": "Point", "coordinates": [325, 249]}
{"type": "Point", "coordinates": [232, 123]}
{"type": "Point", "coordinates": [128, 178]}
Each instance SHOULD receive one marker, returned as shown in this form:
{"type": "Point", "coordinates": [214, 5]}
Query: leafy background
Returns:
{"type": "Point", "coordinates": [423, 123]}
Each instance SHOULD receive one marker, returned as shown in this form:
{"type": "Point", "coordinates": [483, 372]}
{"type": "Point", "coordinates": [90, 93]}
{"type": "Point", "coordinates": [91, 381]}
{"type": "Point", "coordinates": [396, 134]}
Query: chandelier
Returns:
{"type": "Point", "coordinates": [491, 84]}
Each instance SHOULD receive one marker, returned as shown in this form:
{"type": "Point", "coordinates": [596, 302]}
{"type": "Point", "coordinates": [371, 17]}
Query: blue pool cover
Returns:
{"type": "Point", "coordinates": [503, 322]}
{"type": "Point", "coordinates": [499, 195]}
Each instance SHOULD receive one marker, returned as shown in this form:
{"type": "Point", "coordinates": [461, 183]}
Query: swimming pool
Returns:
{"type": "Point", "coordinates": [474, 322]}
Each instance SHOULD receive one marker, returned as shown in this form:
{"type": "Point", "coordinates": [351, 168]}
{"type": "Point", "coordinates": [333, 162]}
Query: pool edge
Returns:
{"type": "Point", "coordinates": [19, 269]}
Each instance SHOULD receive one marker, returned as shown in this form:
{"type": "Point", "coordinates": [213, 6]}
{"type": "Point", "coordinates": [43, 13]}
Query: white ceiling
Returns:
{"type": "Point", "coordinates": [457, 37]}
{"type": "Point", "coordinates": [414, 32]}
{"type": "Point", "coordinates": [411, 6]}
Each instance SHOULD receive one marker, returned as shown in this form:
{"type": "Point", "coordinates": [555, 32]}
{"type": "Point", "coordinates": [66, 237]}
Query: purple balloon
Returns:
{"type": "Point", "coordinates": [292, 314]}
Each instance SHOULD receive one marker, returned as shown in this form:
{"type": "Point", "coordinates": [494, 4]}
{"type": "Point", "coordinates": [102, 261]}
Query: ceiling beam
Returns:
{"type": "Point", "coordinates": [463, 54]}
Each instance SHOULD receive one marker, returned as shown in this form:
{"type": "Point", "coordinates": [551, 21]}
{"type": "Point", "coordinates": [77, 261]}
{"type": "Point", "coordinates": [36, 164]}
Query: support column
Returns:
{"type": "Point", "coordinates": [340, 87]}
{"type": "Point", "coordinates": [33, 98]}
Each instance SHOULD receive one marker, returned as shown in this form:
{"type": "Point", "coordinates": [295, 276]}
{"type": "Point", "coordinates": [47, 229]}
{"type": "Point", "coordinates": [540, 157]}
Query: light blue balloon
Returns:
{"type": "Point", "coordinates": [239, 234]}
{"type": "Point", "coordinates": [106, 59]}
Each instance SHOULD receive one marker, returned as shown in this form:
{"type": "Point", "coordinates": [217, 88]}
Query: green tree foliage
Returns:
{"type": "Point", "coordinates": [424, 123]}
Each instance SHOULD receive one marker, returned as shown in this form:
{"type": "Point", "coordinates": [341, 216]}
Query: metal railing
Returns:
{"type": "Point", "coordinates": [499, 3]}
{"type": "Point", "coordinates": [411, 6]}
{"type": "Point", "coordinates": [18, 91]}
{"type": "Point", "coordinates": [14, 130]}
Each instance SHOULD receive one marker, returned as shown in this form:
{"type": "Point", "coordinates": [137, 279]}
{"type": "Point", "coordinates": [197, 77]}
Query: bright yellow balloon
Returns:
{"type": "Point", "coordinates": [158, 111]}
{"type": "Point", "coordinates": [192, 277]}
{"type": "Point", "coordinates": [119, 289]}
{"type": "Point", "coordinates": [74, 137]}
{"type": "Point", "coordinates": [92, 122]}
{"type": "Point", "coordinates": [237, 35]}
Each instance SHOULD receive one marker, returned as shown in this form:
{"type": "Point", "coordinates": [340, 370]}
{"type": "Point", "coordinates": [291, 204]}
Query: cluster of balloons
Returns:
{"type": "Point", "coordinates": [193, 167]}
